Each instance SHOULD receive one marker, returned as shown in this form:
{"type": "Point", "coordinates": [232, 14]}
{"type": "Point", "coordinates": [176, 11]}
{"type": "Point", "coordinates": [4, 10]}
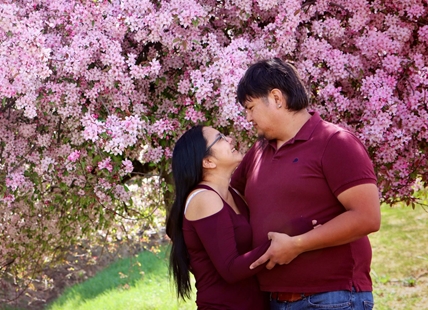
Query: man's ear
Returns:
{"type": "Point", "coordinates": [278, 96]}
{"type": "Point", "coordinates": [208, 163]}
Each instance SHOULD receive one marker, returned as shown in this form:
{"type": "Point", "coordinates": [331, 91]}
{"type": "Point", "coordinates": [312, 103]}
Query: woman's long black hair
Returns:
{"type": "Point", "coordinates": [187, 157]}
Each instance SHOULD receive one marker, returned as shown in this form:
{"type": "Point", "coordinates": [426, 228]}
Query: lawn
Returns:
{"type": "Point", "coordinates": [399, 272]}
{"type": "Point", "coordinates": [137, 283]}
{"type": "Point", "coordinates": [400, 259]}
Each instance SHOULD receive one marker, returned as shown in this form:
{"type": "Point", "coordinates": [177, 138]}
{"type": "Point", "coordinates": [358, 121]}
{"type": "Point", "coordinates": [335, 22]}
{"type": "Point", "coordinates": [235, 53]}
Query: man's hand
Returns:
{"type": "Point", "coordinates": [281, 251]}
{"type": "Point", "coordinates": [274, 253]}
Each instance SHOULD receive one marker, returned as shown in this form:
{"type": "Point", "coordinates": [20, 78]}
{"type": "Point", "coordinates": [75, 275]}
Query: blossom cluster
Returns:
{"type": "Point", "coordinates": [90, 87]}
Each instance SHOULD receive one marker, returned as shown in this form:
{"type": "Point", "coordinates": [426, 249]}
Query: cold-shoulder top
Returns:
{"type": "Point", "coordinates": [220, 253]}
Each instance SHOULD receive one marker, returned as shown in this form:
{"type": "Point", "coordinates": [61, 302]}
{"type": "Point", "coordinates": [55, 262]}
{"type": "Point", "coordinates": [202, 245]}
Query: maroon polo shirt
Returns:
{"type": "Point", "coordinates": [287, 188]}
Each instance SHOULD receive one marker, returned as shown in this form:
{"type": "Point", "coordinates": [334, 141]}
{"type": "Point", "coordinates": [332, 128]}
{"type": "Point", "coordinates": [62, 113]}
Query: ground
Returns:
{"type": "Point", "coordinates": [81, 262]}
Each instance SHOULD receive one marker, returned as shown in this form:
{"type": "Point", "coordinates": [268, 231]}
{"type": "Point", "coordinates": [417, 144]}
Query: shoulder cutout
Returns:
{"type": "Point", "coordinates": [202, 205]}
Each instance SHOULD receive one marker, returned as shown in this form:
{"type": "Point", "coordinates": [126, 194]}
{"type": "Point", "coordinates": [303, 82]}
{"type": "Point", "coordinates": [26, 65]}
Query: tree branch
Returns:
{"type": "Point", "coordinates": [58, 140]}
{"type": "Point", "coordinates": [23, 160]}
{"type": "Point", "coordinates": [9, 104]}
{"type": "Point", "coordinates": [139, 169]}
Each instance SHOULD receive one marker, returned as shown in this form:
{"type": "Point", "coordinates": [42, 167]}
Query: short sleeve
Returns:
{"type": "Point", "coordinates": [346, 163]}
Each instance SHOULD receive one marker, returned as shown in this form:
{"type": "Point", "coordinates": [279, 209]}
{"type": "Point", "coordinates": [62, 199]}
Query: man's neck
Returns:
{"type": "Point", "coordinates": [294, 122]}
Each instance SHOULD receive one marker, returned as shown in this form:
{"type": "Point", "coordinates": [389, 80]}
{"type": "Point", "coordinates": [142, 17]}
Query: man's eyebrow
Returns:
{"type": "Point", "coordinates": [247, 102]}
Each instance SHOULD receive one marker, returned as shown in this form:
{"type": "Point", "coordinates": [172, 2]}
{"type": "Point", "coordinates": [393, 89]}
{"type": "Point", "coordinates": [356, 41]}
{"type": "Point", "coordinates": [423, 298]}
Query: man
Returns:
{"type": "Point", "coordinates": [303, 169]}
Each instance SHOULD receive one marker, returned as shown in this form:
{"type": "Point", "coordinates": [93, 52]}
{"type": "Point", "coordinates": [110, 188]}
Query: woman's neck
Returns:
{"type": "Point", "coordinates": [219, 183]}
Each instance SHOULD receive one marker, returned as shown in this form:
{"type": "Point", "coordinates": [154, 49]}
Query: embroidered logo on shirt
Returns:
{"type": "Point", "coordinates": [295, 160]}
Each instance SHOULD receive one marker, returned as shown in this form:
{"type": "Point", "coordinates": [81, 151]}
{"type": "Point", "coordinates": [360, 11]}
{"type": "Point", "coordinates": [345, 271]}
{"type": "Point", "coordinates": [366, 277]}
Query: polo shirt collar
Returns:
{"type": "Point", "coordinates": [305, 132]}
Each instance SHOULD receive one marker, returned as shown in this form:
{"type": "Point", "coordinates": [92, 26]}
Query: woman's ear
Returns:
{"type": "Point", "coordinates": [208, 163]}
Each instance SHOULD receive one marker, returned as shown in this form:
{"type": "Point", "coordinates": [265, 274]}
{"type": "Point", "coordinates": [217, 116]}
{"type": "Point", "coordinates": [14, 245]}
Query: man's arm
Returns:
{"type": "Point", "coordinates": [362, 217]}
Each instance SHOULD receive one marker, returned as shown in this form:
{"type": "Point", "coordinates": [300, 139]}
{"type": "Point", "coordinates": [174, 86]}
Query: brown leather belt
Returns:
{"type": "Point", "coordinates": [289, 297]}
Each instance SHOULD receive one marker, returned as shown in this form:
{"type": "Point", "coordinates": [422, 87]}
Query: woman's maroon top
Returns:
{"type": "Point", "coordinates": [220, 250]}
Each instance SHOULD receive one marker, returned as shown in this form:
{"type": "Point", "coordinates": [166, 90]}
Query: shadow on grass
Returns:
{"type": "Point", "coordinates": [5, 307]}
{"type": "Point", "coordinates": [120, 275]}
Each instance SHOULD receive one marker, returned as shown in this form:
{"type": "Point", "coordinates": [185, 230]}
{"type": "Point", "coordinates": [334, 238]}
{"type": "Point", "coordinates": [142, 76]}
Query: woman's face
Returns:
{"type": "Point", "coordinates": [221, 147]}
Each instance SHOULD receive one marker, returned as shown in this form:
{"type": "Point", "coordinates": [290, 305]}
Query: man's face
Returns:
{"type": "Point", "coordinates": [260, 112]}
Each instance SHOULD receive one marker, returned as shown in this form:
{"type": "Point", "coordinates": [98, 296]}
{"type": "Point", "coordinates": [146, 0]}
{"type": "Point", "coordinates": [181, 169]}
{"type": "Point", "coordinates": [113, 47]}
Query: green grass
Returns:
{"type": "Point", "coordinates": [400, 259]}
{"type": "Point", "coordinates": [399, 272]}
{"type": "Point", "coordinates": [130, 284]}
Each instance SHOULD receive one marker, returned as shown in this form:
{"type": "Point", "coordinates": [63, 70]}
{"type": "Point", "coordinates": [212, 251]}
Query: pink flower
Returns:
{"type": "Point", "coordinates": [8, 198]}
{"type": "Point", "coordinates": [194, 116]}
{"type": "Point", "coordinates": [106, 164]}
{"type": "Point", "coordinates": [127, 166]}
{"type": "Point", "coordinates": [74, 156]}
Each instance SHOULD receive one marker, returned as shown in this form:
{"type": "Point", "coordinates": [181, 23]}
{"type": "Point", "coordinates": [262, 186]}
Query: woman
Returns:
{"type": "Point", "coordinates": [208, 225]}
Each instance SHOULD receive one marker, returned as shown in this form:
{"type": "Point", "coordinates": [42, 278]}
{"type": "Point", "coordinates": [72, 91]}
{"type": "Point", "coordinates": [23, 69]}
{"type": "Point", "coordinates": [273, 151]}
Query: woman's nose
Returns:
{"type": "Point", "coordinates": [230, 140]}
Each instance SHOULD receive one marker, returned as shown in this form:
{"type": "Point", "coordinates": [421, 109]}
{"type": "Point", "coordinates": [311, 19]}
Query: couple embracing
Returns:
{"type": "Point", "coordinates": [244, 225]}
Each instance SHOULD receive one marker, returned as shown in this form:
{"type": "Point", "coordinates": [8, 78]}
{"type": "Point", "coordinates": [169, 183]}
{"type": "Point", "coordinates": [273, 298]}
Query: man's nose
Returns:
{"type": "Point", "coordinates": [248, 116]}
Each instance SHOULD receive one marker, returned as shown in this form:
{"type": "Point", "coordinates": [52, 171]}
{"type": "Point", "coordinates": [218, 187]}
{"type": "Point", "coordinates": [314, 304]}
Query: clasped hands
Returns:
{"type": "Point", "coordinates": [283, 249]}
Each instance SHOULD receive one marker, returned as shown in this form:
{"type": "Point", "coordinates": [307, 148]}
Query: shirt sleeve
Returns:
{"type": "Point", "coordinates": [217, 234]}
{"type": "Point", "coordinates": [346, 163]}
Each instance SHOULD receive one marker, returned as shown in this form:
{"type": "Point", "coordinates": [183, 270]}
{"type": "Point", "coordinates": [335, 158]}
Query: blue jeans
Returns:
{"type": "Point", "coordinates": [336, 300]}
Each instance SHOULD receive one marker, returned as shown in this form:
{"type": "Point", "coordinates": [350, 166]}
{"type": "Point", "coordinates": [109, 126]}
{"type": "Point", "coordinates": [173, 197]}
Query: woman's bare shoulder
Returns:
{"type": "Point", "coordinates": [204, 204]}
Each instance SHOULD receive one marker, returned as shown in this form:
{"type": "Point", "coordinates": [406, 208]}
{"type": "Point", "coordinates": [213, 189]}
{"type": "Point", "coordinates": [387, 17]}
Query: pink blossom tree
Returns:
{"type": "Point", "coordinates": [95, 92]}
